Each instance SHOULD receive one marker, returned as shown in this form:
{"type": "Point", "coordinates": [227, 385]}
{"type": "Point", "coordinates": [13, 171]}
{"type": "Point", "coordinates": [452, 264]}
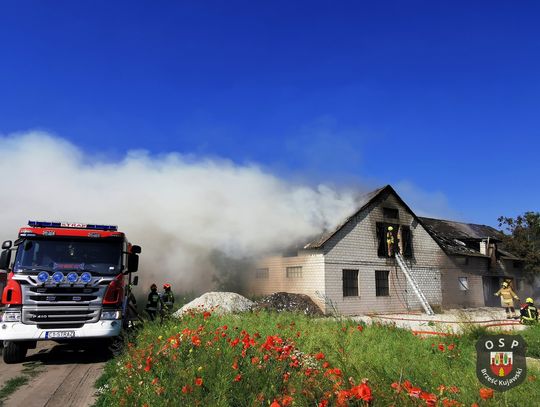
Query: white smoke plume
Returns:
{"type": "Point", "coordinates": [178, 208]}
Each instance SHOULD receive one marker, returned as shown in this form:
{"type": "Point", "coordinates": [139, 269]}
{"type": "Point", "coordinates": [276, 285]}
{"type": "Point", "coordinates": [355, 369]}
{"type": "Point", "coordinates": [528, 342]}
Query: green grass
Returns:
{"type": "Point", "coordinates": [11, 386]}
{"type": "Point", "coordinates": [532, 337]}
{"type": "Point", "coordinates": [384, 354]}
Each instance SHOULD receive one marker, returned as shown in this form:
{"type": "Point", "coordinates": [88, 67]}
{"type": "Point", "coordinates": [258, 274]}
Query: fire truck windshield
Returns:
{"type": "Point", "coordinates": [96, 256]}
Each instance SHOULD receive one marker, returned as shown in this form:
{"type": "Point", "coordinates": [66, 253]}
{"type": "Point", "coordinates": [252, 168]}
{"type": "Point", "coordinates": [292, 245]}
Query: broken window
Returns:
{"type": "Point", "coordinates": [463, 283]}
{"type": "Point", "coordinates": [406, 236]}
{"type": "Point", "coordinates": [382, 288]}
{"type": "Point", "coordinates": [261, 273]}
{"type": "Point", "coordinates": [402, 239]}
{"type": "Point", "coordinates": [294, 272]}
{"type": "Point", "coordinates": [350, 283]}
{"type": "Point", "coordinates": [390, 213]}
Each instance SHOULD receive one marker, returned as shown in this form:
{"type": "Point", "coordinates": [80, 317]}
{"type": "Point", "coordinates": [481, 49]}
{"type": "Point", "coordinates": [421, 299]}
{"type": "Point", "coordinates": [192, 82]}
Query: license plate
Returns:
{"type": "Point", "coordinates": [59, 334]}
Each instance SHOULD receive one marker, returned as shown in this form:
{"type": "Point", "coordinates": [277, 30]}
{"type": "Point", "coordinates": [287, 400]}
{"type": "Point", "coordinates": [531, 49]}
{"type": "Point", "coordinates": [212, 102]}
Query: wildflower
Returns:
{"type": "Point", "coordinates": [286, 400]}
{"type": "Point", "coordinates": [195, 340]}
{"type": "Point", "coordinates": [254, 360]}
{"type": "Point", "coordinates": [129, 365]}
{"type": "Point", "coordinates": [362, 391]}
{"type": "Point", "coordinates": [319, 356]}
{"type": "Point", "coordinates": [206, 314]}
{"type": "Point", "coordinates": [200, 368]}
{"type": "Point", "coordinates": [160, 337]}
{"type": "Point", "coordinates": [360, 328]}
{"type": "Point", "coordinates": [155, 380]}
{"type": "Point", "coordinates": [198, 381]}
{"type": "Point", "coordinates": [186, 389]}
{"type": "Point", "coordinates": [148, 364]}
{"type": "Point", "coordinates": [238, 378]}
{"type": "Point", "coordinates": [129, 390]}
{"type": "Point", "coordinates": [275, 404]}
{"type": "Point", "coordinates": [453, 389]}
{"type": "Point", "coordinates": [235, 364]}
{"type": "Point", "coordinates": [451, 346]}
{"type": "Point", "coordinates": [486, 393]}
{"type": "Point", "coordinates": [323, 403]}
{"type": "Point", "coordinates": [451, 403]}
{"type": "Point", "coordinates": [429, 398]}
{"type": "Point", "coordinates": [441, 347]}
{"type": "Point", "coordinates": [474, 405]}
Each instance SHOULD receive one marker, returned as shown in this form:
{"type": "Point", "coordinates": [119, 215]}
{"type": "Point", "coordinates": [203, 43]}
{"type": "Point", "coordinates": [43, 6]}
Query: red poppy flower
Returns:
{"type": "Point", "coordinates": [319, 356]}
{"type": "Point", "coordinates": [238, 378]}
{"type": "Point", "coordinates": [486, 393]}
{"type": "Point", "coordinates": [275, 404]}
{"type": "Point", "coordinates": [323, 403]}
{"type": "Point", "coordinates": [148, 364]}
{"type": "Point", "coordinates": [451, 346]}
{"type": "Point", "coordinates": [441, 347]}
{"type": "Point", "coordinates": [195, 340]}
{"type": "Point", "coordinates": [198, 381]}
{"type": "Point", "coordinates": [186, 389]}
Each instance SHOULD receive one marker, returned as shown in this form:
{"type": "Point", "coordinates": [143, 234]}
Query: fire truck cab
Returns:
{"type": "Point", "coordinates": [65, 282]}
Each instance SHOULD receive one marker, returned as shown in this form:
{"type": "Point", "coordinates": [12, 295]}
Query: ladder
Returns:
{"type": "Point", "coordinates": [425, 304]}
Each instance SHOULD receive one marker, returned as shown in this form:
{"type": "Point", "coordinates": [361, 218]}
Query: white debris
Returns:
{"type": "Point", "coordinates": [218, 302]}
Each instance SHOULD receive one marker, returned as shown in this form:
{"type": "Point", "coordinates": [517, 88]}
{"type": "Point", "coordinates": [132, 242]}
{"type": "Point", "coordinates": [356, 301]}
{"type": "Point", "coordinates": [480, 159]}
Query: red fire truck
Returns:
{"type": "Point", "coordinates": [66, 282]}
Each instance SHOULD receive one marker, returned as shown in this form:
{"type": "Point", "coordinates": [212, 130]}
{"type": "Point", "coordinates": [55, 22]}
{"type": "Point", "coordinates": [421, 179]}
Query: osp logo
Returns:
{"type": "Point", "coordinates": [500, 361]}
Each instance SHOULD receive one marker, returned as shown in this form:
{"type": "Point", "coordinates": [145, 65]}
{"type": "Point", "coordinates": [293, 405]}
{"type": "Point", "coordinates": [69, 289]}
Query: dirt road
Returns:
{"type": "Point", "coordinates": [63, 377]}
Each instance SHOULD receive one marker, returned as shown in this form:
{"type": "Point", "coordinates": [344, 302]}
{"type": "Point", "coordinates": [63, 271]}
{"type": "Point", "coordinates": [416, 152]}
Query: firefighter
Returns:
{"type": "Point", "coordinates": [390, 241]}
{"type": "Point", "coordinates": [167, 299]}
{"type": "Point", "coordinates": [529, 313]}
{"type": "Point", "coordinates": [507, 299]}
{"type": "Point", "coordinates": [154, 304]}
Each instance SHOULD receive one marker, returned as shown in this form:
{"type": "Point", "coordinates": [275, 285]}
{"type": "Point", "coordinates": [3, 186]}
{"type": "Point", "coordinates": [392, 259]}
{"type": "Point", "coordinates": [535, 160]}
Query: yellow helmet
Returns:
{"type": "Point", "coordinates": [505, 284]}
{"type": "Point", "coordinates": [390, 228]}
{"type": "Point", "coordinates": [529, 300]}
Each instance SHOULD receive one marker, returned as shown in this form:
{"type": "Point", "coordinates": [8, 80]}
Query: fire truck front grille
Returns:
{"type": "Point", "coordinates": [53, 317]}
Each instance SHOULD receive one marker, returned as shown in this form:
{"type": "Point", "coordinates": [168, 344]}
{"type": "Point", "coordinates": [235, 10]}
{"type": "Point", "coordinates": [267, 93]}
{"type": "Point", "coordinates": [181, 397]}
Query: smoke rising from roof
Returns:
{"type": "Point", "coordinates": [179, 208]}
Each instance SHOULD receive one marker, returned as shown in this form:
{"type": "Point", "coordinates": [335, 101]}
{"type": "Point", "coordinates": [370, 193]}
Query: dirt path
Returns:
{"type": "Point", "coordinates": [66, 379]}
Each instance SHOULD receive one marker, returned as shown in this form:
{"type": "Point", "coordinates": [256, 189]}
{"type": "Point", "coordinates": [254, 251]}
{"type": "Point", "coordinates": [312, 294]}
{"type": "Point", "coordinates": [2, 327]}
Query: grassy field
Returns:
{"type": "Point", "coordinates": [264, 359]}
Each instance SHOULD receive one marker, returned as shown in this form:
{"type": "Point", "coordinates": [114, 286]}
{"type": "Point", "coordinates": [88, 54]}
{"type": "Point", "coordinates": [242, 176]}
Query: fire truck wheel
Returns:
{"type": "Point", "coordinates": [14, 352]}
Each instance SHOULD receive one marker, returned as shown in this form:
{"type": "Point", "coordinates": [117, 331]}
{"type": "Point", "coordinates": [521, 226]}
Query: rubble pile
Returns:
{"type": "Point", "coordinates": [290, 302]}
{"type": "Point", "coordinates": [218, 302]}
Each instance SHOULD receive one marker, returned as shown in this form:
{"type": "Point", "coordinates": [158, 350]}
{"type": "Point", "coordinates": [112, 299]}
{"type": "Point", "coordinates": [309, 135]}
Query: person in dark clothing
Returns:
{"type": "Point", "coordinates": [154, 304]}
{"type": "Point", "coordinates": [167, 299]}
{"type": "Point", "coordinates": [529, 313]}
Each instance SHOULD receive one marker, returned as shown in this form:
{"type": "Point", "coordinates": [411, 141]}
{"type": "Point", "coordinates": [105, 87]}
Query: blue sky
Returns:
{"type": "Point", "coordinates": [440, 99]}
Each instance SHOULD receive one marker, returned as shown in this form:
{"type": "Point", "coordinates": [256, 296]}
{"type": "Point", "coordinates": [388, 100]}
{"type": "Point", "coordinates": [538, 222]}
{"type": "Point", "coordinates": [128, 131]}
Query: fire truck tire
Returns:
{"type": "Point", "coordinates": [116, 345]}
{"type": "Point", "coordinates": [14, 352]}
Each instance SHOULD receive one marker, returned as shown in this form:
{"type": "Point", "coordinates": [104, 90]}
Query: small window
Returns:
{"type": "Point", "coordinates": [516, 264]}
{"type": "Point", "coordinates": [381, 283]}
{"type": "Point", "coordinates": [294, 272]}
{"type": "Point", "coordinates": [261, 273]}
{"type": "Point", "coordinates": [350, 283]}
{"type": "Point", "coordinates": [463, 283]}
{"type": "Point", "coordinates": [390, 213]}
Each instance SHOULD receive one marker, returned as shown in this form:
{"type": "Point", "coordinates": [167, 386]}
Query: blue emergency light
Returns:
{"type": "Point", "coordinates": [72, 277]}
{"type": "Point", "coordinates": [71, 225]}
{"type": "Point", "coordinates": [43, 276]}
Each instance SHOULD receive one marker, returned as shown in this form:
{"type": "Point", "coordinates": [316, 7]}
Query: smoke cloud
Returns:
{"type": "Point", "coordinates": [180, 209]}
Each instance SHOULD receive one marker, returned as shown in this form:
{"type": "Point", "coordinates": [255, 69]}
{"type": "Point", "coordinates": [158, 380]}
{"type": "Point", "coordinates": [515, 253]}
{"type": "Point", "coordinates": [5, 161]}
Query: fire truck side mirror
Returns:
{"type": "Point", "coordinates": [5, 259]}
{"type": "Point", "coordinates": [135, 249]}
{"type": "Point", "coordinates": [132, 263]}
{"type": "Point", "coordinates": [7, 244]}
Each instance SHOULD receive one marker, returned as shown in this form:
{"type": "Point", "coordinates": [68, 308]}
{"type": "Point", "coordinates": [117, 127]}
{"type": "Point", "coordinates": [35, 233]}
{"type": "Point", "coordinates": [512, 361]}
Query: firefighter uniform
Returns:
{"type": "Point", "coordinates": [507, 299]}
{"type": "Point", "coordinates": [529, 313]}
{"type": "Point", "coordinates": [390, 241]}
{"type": "Point", "coordinates": [167, 298]}
{"type": "Point", "coordinates": [154, 302]}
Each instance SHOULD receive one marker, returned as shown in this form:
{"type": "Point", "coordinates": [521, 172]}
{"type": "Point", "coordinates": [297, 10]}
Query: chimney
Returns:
{"type": "Point", "coordinates": [484, 247]}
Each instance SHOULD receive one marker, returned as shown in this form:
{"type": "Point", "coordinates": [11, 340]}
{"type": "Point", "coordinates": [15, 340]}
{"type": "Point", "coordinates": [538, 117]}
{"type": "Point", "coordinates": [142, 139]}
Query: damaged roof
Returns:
{"type": "Point", "coordinates": [454, 236]}
{"type": "Point", "coordinates": [363, 201]}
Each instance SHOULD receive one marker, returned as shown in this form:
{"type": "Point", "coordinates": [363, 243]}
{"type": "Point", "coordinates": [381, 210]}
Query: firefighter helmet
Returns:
{"type": "Point", "coordinates": [529, 300]}
{"type": "Point", "coordinates": [153, 287]}
{"type": "Point", "coordinates": [166, 286]}
{"type": "Point", "coordinates": [390, 228]}
{"type": "Point", "coordinates": [505, 284]}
